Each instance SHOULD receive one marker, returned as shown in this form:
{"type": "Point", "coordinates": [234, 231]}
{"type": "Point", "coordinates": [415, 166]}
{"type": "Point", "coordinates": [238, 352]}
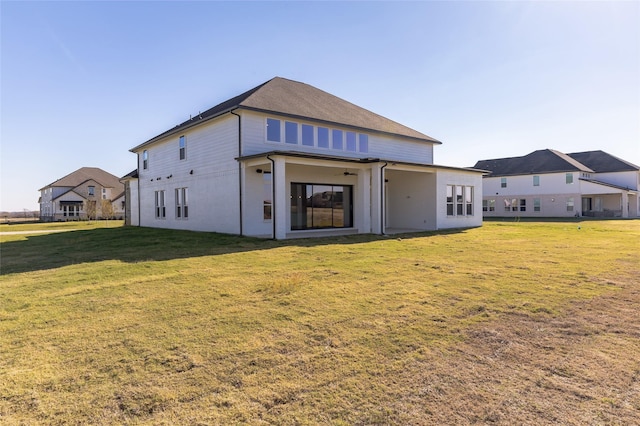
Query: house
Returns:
{"type": "Point", "coordinates": [548, 183]}
{"type": "Point", "coordinates": [286, 160]}
{"type": "Point", "coordinates": [87, 193]}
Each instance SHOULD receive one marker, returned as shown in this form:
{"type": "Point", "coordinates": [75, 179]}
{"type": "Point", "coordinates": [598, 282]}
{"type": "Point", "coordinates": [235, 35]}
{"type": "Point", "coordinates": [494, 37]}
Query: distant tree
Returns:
{"type": "Point", "coordinates": [107, 209]}
{"type": "Point", "coordinates": [90, 209]}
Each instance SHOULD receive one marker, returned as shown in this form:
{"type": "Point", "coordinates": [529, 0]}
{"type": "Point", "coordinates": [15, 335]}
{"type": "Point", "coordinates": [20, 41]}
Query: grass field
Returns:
{"type": "Point", "coordinates": [511, 323]}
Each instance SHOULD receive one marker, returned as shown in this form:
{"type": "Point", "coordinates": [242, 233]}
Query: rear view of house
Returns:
{"type": "Point", "coordinates": [87, 193]}
{"type": "Point", "coordinates": [286, 160]}
{"type": "Point", "coordinates": [548, 183]}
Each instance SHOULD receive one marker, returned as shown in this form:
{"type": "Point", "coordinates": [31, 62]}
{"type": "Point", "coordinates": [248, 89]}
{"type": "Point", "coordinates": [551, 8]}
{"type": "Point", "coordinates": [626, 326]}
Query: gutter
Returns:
{"type": "Point", "coordinates": [273, 196]}
{"type": "Point", "coordinates": [382, 199]}
{"type": "Point", "coordinates": [239, 165]}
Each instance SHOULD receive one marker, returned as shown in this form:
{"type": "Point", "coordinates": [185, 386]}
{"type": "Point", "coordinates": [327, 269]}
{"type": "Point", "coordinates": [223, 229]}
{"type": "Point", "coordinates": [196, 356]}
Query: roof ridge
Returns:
{"type": "Point", "coordinates": [572, 161]}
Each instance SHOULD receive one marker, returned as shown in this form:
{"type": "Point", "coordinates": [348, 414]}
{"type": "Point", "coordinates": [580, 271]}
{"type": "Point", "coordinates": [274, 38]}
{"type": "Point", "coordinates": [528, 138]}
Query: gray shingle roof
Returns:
{"type": "Point", "coordinates": [602, 162]}
{"type": "Point", "coordinates": [299, 100]}
{"type": "Point", "coordinates": [537, 162]}
{"type": "Point", "coordinates": [84, 174]}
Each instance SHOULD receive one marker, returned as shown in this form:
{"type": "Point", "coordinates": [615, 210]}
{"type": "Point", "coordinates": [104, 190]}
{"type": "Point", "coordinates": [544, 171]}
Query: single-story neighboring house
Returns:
{"type": "Point", "coordinates": [286, 160]}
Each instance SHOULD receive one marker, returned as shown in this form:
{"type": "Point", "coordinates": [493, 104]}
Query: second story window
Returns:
{"type": "Point", "coordinates": [569, 178]}
{"type": "Point", "coordinates": [364, 143]}
{"type": "Point", "coordinates": [503, 182]}
{"type": "Point", "coordinates": [145, 159]}
{"type": "Point", "coordinates": [183, 148]}
{"type": "Point", "coordinates": [273, 130]}
{"type": "Point", "coordinates": [536, 181]}
{"type": "Point", "coordinates": [92, 190]}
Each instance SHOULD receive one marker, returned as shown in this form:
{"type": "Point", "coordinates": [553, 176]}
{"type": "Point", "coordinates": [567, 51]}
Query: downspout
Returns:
{"type": "Point", "coordinates": [239, 165]}
{"type": "Point", "coordinates": [138, 191]}
{"type": "Point", "coordinates": [382, 199]}
{"type": "Point", "coordinates": [273, 196]}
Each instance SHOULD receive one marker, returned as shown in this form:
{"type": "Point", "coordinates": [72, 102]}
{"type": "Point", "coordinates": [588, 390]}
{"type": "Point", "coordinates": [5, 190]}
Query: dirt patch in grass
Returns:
{"type": "Point", "coordinates": [581, 367]}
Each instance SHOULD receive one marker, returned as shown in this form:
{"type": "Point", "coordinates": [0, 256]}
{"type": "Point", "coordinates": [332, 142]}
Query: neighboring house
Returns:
{"type": "Point", "coordinates": [548, 183]}
{"type": "Point", "coordinates": [87, 193]}
{"type": "Point", "coordinates": [286, 160]}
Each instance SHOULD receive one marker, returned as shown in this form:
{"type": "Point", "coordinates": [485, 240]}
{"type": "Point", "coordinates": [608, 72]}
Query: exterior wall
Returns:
{"type": "Point", "coordinates": [451, 177]}
{"type": "Point", "coordinates": [555, 195]}
{"type": "Point", "coordinates": [410, 200]}
{"type": "Point", "coordinates": [318, 174]}
{"type": "Point", "coordinates": [58, 213]}
{"type": "Point", "coordinates": [629, 179]}
{"type": "Point", "coordinates": [209, 171]}
{"type": "Point", "coordinates": [254, 141]}
{"type": "Point", "coordinates": [131, 214]}
{"type": "Point", "coordinates": [550, 183]}
{"type": "Point", "coordinates": [254, 195]}
{"type": "Point", "coordinates": [217, 182]}
{"type": "Point", "coordinates": [46, 204]}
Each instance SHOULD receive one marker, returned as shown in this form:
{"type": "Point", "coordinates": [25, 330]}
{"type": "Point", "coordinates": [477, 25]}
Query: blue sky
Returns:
{"type": "Point", "coordinates": [83, 82]}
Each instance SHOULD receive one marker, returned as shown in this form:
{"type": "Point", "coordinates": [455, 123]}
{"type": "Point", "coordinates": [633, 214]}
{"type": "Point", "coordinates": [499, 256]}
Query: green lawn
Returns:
{"type": "Point", "coordinates": [121, 325]}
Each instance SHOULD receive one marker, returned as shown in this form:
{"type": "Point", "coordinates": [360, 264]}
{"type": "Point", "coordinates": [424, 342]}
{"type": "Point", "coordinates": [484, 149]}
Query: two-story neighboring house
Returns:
{"type": "Point", "coordinates": [286, 160]}
{"type": "Point", "coordinates": [548, 183]}
{"type": "Point", "coordinates": [87, 193]}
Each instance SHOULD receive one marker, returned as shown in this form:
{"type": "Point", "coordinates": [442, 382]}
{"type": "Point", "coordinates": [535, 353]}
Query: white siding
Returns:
{"type": "Point", "coordinates": [450, 177]}
{"type": "Point", "coordinates": [629, 179]}
{"type": "Point", "coordinates": [210, 172]}
{"type": "Point", "coordinates": [254, 141]}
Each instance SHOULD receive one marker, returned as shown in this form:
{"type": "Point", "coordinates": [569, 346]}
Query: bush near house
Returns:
{"type": "Point", "coordinates": [514, 322]}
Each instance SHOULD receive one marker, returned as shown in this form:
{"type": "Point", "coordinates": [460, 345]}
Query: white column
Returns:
{"type": "Point", "coordinates": [362, 209]}
{"type": "Point", "coordinates": [625, 204]}
{"type": "Point", "coordinates": [280, 202]}
{"type": "Point", "coordinates": [376, 198]}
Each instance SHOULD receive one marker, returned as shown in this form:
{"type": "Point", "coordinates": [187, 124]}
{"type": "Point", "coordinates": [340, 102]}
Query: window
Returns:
{"type": "Point", "coordinates": [70, 210]}
{"type": "Point", "coordinates": [290, 132]}
{"type": "Point", "coordinates": [514, 204]}
{"type": "Point", "coordinates": [459, 205]}
{"type": "Point", "coordinates": [449, 200]}
{"type": "Point", "coordinates": [569, 178]}
{"type": "Point", "coordinates": [307, 135]}
{"type": "Point", "coordinates": [323, 137]}
{"type": "Point", "coordinates": [351, 141]}
{"type": "Point", "coordinates": [503, 182]}
{"type": "Point", "coordinates": [570, 204]}
{"type": "Point", "coordinates": [104, 193]}
{"type": "Point", "coordinates": [145, 159]}
{"type": "Point", "coordinates": [317, 206]}
{"type": "Point", "coordinates": [536, 181]}
{"type": "Point", "coordinates": [597, 204]}
{"type": "Point", "coordinates": [182, 207]}
{"type": "Point", "coordinates": [523, 205]}
{"type": "Point", "coordinates": [536, 204]}
{"type": "Point", "coordinates": [488, 205]}
{"type": "Point", "coordinates": [266, 196]}
{"type": "Point", "coordinates": [92, 190]}
{"type": "Point", "coordinates": [507, 205]}
{"type": "Point", "coordinates": [364, 143]}
{"type": "Point", "coordinates": [183, 148]}
{"type": "Point", "coordinates": [336, 139]}
{"type": "Point", "coordinates": [460, 200]}
{"type": "Point", "coordinates": [468, 200]}
{"type": "Point", "coordinates": [160, 208]}
{"type": "Point", "coordinates": [273, 130]}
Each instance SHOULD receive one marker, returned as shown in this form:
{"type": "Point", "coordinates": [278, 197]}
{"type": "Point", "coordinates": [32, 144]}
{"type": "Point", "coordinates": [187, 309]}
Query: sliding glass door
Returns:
{"type": "Point", "coordinates": [317, 206]}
